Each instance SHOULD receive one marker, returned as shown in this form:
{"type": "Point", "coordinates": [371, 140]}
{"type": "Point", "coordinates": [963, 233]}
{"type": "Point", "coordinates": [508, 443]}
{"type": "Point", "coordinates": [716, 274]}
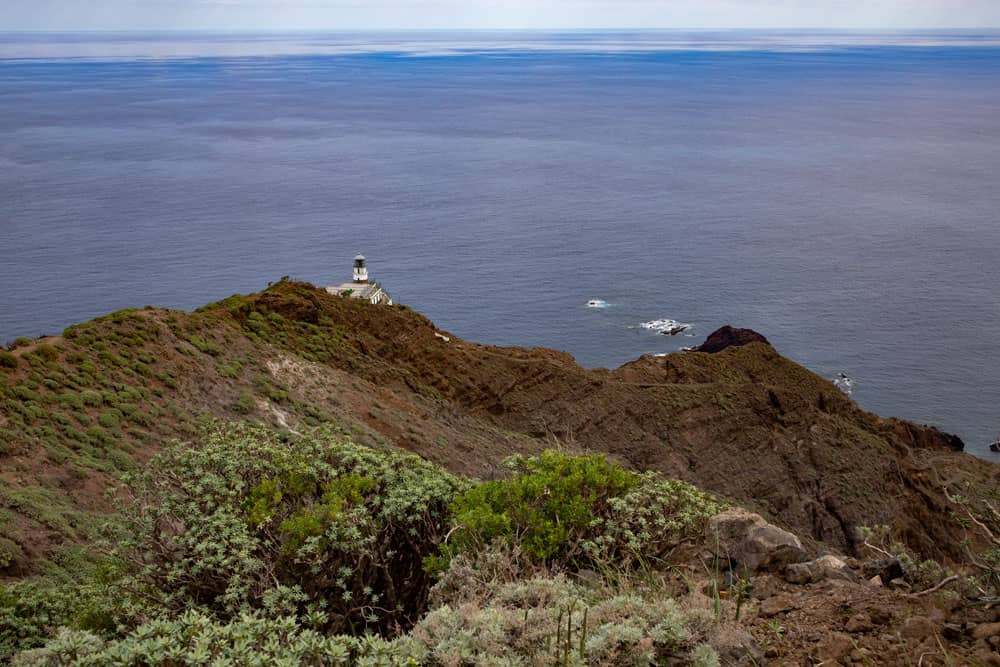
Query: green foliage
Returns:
{"type": "Point", "coordinates": [541, 620]}
{"type": "Point", "coordinates": [576, 511]}
{"type": "Point", "coordinates": [196, 639]}
{"type": "Point", "coordinates": [230, 369]}
{"type": "Point", "coordinates": [548, 504]}
{"type": "Point", "coordinates": [205, 346]}
{"type": "Point", "coordinates": [31, 612]}
{"type": "Point", "coordinates": [91, 398]}
{"type": "Point", "coordinates": [650, 520]}
{"type": "Point", "coordinates": [110, 419]}
{"type": "Point", "coordinates": [42, 505]}
{"type": "Point", "coordinates": [318, 521]}
{"type": "Point", "coordinates": [547, 620]}
{"type": "Point", "coordinates": [245, 403]}
{"type": "Point", "coordinates": [7, 360]}
{"type": "Point", "coordinates": [46, 352]}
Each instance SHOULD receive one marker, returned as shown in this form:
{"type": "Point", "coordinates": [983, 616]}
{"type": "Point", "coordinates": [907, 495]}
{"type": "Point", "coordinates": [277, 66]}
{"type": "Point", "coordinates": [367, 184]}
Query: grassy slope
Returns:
{"type": "Point", "coordinates": [78, 409]}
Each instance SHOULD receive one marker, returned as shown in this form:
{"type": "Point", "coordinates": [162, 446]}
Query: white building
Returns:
{"type": "Point", "coordinates": [361, 287]}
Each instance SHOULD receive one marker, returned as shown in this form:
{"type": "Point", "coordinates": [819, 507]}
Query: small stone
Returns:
{"type": "Point", "coordinates": [918, 627]}
{"type": "Point", "coordinates": [986, 630]}
{"type": "Point", "coordinates": [880, 615]}
{"type": "Point", "coordinates": [952, 631]}
{"type": "Point", "coordinates": [859, 623]}
{"type": "Point", "coordinates": [835, 646]}
{"type": "Point", "coordinates": [886, 568]}
{"type": "Point", "coordinates": [775, 605]}
{"type": "Point", "coordinates": [876, 581]}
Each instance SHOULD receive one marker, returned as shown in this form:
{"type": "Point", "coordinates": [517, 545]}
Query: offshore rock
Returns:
{"type": "Point", "coordinates": [727, 337]}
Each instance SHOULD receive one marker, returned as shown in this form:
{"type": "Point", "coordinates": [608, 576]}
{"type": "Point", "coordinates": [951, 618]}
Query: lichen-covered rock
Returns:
{"type": "Point", "coordinates": [821, 569]}
{"type": "Point", "coordinates": [752, 543]}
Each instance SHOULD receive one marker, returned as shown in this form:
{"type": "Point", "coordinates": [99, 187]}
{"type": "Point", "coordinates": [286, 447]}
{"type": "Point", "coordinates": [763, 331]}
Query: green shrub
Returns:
{"type": "Point", "coordinates": [46, 352]}
{"type": "Point", "coordinates": [197, 639]}
{"type": "Point", "coordinates": [539, 621]}
{"type": "Point", "coordinates": [22, 392]}
{"type": "Point", "coordinates": [314, 520]}
{"type": "Point", "coordinates": [28, 617]}
{"type": "Point", "coordinates": [40, 504]}
{"type": "Point", "coordinates": [574, 511]}
{"type": "Point", "coordinates": [554, 622]}
{"type": "Point", "coordinates": [231, 369]}
{"type": "Point", "coordinates": [7, 360]}
{"type": "Point", "coordinates": [205, 346]}
{"type": "Point", "coordinates": [246, 403]}
{"type": "Point", "coordinates": [90, 397]}
{"type": "Point", "coordinates": [110, 419]}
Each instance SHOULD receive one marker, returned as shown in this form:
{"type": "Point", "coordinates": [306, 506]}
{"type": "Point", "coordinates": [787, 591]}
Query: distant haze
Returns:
{"type": "Point", "coordinates": [493, 14]}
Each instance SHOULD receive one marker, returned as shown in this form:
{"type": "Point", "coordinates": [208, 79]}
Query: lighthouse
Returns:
{"type": "Point", "coordinates": [360, 270]}
{"type": "Point", "coordinates": [361, 287]}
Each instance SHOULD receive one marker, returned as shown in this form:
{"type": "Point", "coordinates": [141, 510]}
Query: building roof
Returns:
{"type": "Point", "coordinates": [359, 257]}
{"type": "Point", "coordinates": [357, 290]}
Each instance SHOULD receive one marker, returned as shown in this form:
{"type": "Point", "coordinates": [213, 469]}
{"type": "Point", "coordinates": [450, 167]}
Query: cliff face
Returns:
{"type": "Point", "coordinates": [743, 422]}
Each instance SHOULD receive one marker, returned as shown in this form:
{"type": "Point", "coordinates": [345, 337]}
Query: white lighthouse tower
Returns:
{"type": "Point", "coordinates": [361, 287]}
{"type": "Point", "coordinates": [360, 270]}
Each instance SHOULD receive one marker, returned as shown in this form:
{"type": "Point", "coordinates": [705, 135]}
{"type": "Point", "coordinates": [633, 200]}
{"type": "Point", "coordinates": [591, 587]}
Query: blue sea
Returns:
{"type": "Point", "coordinates": [839, 193]}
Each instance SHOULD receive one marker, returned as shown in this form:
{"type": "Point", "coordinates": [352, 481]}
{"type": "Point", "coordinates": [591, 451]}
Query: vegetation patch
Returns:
{"type": "Point", "coordinates": [573, 512]}
{"type": "Point", "coordinates": [248, 519]}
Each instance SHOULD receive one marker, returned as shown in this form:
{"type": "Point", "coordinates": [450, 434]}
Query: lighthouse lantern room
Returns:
{"type": "Point", "coordinates": [360, 270]}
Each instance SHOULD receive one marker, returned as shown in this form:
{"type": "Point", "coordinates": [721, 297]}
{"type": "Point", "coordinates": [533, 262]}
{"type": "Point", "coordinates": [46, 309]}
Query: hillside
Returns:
{"type": "Point", "coordinates": [126, 441]}
{"type": "Point", "coordinates": [745, 422]}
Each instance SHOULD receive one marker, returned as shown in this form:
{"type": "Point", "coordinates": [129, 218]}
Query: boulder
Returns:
{"type": "Point", "coordinates": [821, 569]}
{"type": "Point", "coordinates": [751, 543]}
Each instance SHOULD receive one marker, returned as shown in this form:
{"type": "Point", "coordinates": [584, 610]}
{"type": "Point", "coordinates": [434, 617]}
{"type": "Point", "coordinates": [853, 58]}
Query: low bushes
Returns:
{"type": "Point", "coordinates": [250, 520]}
{"type": "Point", "coordinates": [254, 546]}
{"type": "Point", "coordinates": [196, 639]}
{"type": "Point", "coordinates": [571, 512]}
{"type": "Point", "coordinates": [539, 621]}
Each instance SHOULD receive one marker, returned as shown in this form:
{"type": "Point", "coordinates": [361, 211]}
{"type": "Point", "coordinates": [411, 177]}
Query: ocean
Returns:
{"type": "Point", "coordinates": [839, 193]}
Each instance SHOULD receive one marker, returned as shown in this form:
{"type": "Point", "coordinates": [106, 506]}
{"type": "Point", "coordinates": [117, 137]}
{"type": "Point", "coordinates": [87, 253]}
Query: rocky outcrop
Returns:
{"type": "Point", "coordinates": [750, 543]}
{"type": "Point", "coordinates": [727, 337]}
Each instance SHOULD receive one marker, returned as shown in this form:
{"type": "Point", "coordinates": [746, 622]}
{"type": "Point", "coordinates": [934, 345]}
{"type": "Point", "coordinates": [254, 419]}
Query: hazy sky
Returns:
{"type": "Point", "coordinates": [486, 14]}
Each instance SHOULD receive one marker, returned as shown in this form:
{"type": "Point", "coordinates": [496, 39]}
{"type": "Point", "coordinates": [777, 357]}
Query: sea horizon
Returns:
{"type": "Point", "coordinates": [830, 189]}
